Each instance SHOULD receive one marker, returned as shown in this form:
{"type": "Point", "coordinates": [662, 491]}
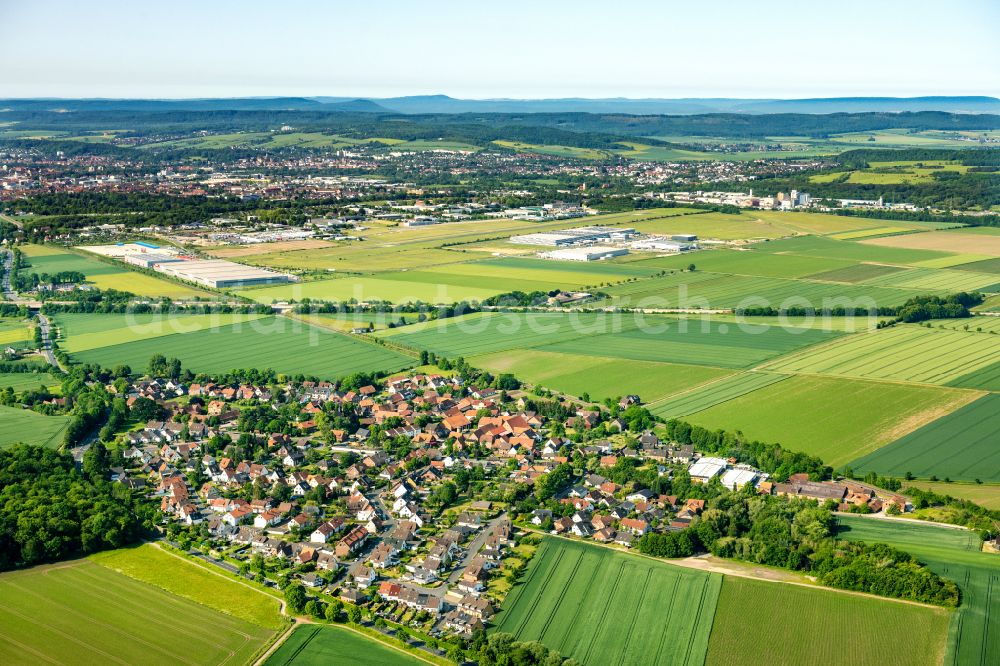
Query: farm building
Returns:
{"type": "Point", "coordinates": [222, 274]}
{"type": "Point", "coordinates": [592, 253]}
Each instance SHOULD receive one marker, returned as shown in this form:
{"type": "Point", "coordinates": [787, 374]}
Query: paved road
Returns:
{"type": "Point", "coordinates": [8, 264]}
{"type": "Point", "coordinates": [46, 328]}
{"type": "Point", "coordinates": [474, 548]}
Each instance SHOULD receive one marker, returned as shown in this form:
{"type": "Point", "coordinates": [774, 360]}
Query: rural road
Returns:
{"type": "Point", "coordinates": [8, 264]}
{"type": "Point", "coordinates": [46, 328]}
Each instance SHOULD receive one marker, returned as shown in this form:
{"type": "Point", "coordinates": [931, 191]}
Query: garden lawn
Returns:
{"type": "Point", "coordinates": [788, 625]}
{"type": "Point", "coordinates": [279, 343]}
{"type": "Point", "coordinates": [974, 635]}
{"type": "Point", "coordinates": [82, 613]}
{"type": "Point", "coordinates": [601, 378]}
{"type": "Point", "coordinates": [961, 445]}
{"type": "Point", "coordinates": [838, 420]}
{"type": "Point", "coordinates": [315, 645]}
{"type": "Point", "coordinates": [601, 606]}
{"type": "Point", "coordinates": [24, 425]}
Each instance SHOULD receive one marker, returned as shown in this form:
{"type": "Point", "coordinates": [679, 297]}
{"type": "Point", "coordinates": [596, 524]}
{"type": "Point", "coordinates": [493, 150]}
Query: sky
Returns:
{"type": "Point", "coordinates": [491, 49]}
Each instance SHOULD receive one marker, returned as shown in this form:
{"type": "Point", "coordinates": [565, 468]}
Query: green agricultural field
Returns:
{"type": "Point", "coordinates": [567, 274]}
{"type": "Point", "coordinates": [838, 420]}
{"type": "Point", "coordinates": [714, 393]}
{"type": "Point", "coordinates": [989, 325]}
{"type": "Point", "coordinates": [714, 290]}
{"type": "Point", "coordinates": [279, 343]}
{"type": "Point", "coordinates": [493, 331]}
{"type": "Point", "coordinates": [960, 446]}
{"type": "Point", "coordinates": [554, 150]}
{"type": "Point", "coordinates": [16, 333]}
{"type": "Point", "coordinates": [748, 262]}
{"type": "Point", "coordinates": [984, 494]}
{"type": "Point", "coordinates": [908, 353]}
{"type": "Point", "coordinates": [19, 381]}
{"type": "Point", "coordinates": [828, 248]}
{"type": "Point", "coordinates": [23, 425]}
{"type": "Point", "coordinates": [870, 233]}
{"type": "Point", "coordinates": [600, 606]}
{"type": "Point", "coordinates": [701, 343]}
{"type": "Point", "coordinates": [717, 226]}
{"type": "Point", "coordinates": [601, 378]}
{"type": "Point", "coordinates": [372, 289]}
{"type": "Point", "coordinates": [981, 265]}
{"type": "Point", "coordinates": [82, 613]}
{"type": "Point", "coordinates": [619, 335]}
{"type": "Point", "coordinates": [974, 635]}
{"type": "Point", "coordinates": [856, 273]}
{"type": "Point", "coordinates": [939, 280]}
{"type": "Point", "coordinates": [757, 622]}
{"type": "Point", "coordinates": [51, 259]}
{"type": "Point", "coordinates": [183, 578]}
{"type": "Point", "coordinates": [316, 645]}
{"type": "Point", "coordinates": [80, 332]}
{"type": "Point", "coordinates": [345, 322]}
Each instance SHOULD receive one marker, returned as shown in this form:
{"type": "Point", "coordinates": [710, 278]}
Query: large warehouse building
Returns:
{"type": "Point", "coordinates": [222, 274]}
{"type": "Point", "coordinates": [577, 236]}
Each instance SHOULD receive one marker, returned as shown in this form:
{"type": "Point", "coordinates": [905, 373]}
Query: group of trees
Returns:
{"type": "Point", "coordinates": [798, 534]}
{"type": "Point", "coordinates": [923, 308]}
{"type": "Point", "coordinates": [774, 459]}
{"type": "Point", "coordinates": [50, 511]}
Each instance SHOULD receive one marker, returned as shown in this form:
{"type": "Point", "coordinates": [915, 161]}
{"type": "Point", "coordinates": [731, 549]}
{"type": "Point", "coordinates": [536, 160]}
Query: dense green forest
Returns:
{"type": "Point", "coordinates": [51, 511]}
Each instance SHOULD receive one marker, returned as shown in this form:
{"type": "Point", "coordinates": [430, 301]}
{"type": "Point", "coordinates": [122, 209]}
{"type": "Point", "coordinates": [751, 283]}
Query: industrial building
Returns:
{"type": "Point", "coordinates": [590, 253]}
{"type": "Point", "coordinates": [577, 236]}
{"type": "Point", "coordinates": [222, 274]}
{"type": "Point", "coordinates": [149, 259]}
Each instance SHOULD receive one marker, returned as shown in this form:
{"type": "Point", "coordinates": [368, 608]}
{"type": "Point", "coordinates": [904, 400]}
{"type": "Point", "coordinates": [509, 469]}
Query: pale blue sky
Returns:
{"type": "Point", "coordinates": [514, 48]}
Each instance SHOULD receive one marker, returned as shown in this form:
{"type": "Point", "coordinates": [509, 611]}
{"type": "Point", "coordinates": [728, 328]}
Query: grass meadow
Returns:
{"type": "Point", "coordinates": [974, 634]}
{"type": "Point", "coordinates": [599, 606]}
{"type": "Point", "coordinates": [176, 575]}
{"type": "Point", "coordinates": [758, 622]}
{"type": "Point", "coordinates": [82, 613]}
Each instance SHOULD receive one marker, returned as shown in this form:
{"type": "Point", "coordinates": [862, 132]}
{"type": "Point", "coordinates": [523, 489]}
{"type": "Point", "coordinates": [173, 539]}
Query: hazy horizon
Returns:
{"type": "Point", "coordinates": [771, 49]}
